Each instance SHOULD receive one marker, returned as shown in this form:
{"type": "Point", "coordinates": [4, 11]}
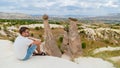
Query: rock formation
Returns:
{"type": "Point", "coordinates": [50, 44]}
{"type": "Point", "coordinates": [71, 42]}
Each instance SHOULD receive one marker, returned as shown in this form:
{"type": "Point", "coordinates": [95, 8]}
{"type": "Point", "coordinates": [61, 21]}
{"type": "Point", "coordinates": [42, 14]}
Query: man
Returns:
{"type": "Point", "coordinates": [26, 46]}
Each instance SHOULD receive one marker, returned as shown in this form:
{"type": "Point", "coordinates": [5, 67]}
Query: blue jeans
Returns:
{"type": "Point", "coordinates": [30, 51]}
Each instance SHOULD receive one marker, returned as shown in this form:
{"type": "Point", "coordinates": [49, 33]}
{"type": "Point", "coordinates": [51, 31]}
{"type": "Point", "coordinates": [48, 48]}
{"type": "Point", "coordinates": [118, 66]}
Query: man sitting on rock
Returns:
{"type": "Point", "coordinates": [25, 46]}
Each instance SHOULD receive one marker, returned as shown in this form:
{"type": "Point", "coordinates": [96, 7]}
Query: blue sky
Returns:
{"type": "Point", "coordinates": [61, 7]}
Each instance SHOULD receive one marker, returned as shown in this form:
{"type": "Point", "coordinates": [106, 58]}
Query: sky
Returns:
{"type": "Point", "coordinates": [61, 7]}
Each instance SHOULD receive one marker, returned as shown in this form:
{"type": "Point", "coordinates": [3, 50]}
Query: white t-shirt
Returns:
{"type": "Point", "coordinates": [21, 45]}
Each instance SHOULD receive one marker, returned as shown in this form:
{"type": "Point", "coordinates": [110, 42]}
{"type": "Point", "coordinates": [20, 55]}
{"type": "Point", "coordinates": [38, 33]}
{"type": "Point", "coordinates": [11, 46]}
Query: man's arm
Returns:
{"type": "Point", "coordinates": [35, 41]}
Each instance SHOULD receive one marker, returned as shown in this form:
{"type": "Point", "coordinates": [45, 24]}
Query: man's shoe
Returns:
{"type": "Point", "coordinates": [39, 54]}
{"type": "Point", "coordinates": [43, 54]}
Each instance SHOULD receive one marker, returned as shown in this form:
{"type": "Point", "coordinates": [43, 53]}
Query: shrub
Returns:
{"type": "Point", "coordinates": [66, 27]}
{"type": "Point", "coordinates": [37, 28]}
{"type": "Point", "coordinates": [53, 28]}
{"type": "Point", "coordinates": [83, 45]}
{"type": "Point", "coordinates": [83, 32]}
{"type": "Point", "coordinates": [32, 34]}
{"type": "Point", "coordinates": [80, 28]}
{"type": "Point", "coordinates": [59, 42]}
{"type": "Point", "coordinates": [12, 39]}
{"type": "Point", "coordinates": [106, 41]}
{"type": "Point", "coordinates": [41, 27]}
{"type": "Point", "coordinates": [40, 35]}
{"type": "Point", "coordinates": [61, 39]}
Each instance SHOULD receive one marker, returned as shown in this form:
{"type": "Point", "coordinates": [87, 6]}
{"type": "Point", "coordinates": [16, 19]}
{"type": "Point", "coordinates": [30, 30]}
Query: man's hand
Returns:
{"type": "Point", "coordinates": [37, 42]}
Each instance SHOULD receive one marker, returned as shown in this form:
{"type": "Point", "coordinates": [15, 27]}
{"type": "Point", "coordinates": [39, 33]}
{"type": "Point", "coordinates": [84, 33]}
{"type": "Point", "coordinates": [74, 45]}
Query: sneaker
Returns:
{"type": "Point", "coordinates": [41, 54]}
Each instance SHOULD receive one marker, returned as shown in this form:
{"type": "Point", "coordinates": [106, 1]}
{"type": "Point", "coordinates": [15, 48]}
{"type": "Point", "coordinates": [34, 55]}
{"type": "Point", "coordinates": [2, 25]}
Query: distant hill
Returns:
{"type": "Point", "coordinates": [4, 15]}
{"type": "Point", "coordinates": [110, 17]}
{"type": "Point", "coordinates": [14, 16]}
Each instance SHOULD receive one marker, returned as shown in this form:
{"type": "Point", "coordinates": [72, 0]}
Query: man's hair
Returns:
{"type": "Point", "coordinates": [23, 29]}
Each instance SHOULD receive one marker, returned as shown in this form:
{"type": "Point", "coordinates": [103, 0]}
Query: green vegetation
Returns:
{"type": "Point", "coordinates": [37, 28]}
{"type": "Point", "coordinates": [54, 22]}
{"type": "Point", "coordinates": [25, 22]}
{"type": "Point", "coordinates": [59, 41]}
{"type": "Point", "coordinates": [20, 22]}
{"type": "Point", "coordinates": [32, 35]}
{"type": "Point", "coordinates": [66, 27]}
{"type": "Point", "coordinates": [12, 39]}
{"type": "Point", "coordinates": [83, 45]}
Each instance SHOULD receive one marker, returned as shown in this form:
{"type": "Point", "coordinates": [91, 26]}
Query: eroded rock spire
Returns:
{"type": "Point", "coordinates": [50, 44]}
{"type": "Point", "coordinates": [71, 42]}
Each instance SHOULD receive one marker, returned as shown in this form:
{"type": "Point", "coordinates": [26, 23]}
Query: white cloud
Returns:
{"type": "Point", "coordinates": [111, 4]}
{"type": "Point", "coordinates": [43, 4]}
{"type": "Point", "coordinates": [88, 4]}
{"type": "Point", "coordinates": [68, 2]}
{"type": "Point", "coordinates": [96, 5]}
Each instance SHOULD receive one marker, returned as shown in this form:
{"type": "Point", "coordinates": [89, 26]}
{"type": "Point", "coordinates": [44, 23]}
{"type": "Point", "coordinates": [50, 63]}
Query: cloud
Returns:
{"type": "Point", "coordinates": [68, 2]}
{"type": "Point", "coordinates": [43, 5]}
{"type": "Point", "coordinates": [60, 6]}
{"type": "Point", "coordinates": [111, 4]}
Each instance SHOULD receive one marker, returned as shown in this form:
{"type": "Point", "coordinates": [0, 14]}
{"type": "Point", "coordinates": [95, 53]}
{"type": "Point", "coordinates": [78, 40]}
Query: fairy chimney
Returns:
{"type": "Point", "coordinates": [71, 42]}
{"type": "Point", "coordinates": [74, 38]}
{"type": "Point", "coordinates": [50, 44]}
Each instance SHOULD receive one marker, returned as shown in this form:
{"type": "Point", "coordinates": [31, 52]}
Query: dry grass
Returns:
{"type": "Point", "coordinates": [39, 33]}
